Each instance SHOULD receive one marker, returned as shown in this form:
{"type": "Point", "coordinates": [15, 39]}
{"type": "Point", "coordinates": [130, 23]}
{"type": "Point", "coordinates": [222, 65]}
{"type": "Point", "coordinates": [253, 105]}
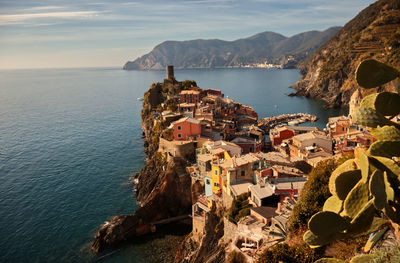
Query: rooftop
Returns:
{"type": "Point", "coordinates": [190, 92]}
{"type": "Point", "coordinates": [310, 136]}
{"type": "Point", "coordinates": [186, 119]}
{"type": "Point", "coordinates": [265, 211]}
{"type": "Point", "coordinates": [262, 192]}
{"type": "Point", "coordinates": [204, 157]}
{"type": "Point", "coordinates": [240, 188]}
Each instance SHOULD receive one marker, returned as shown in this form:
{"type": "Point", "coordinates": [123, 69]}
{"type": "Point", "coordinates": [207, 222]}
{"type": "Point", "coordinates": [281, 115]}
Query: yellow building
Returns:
{"type": "Point", "coordinates": [220, 156]}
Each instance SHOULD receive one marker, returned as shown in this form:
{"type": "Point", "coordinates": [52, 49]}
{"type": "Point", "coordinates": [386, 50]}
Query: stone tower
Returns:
{"type": "Point", "coordinates": [355, 101]}
{"type": "Point", "coordinates": [170, 72]}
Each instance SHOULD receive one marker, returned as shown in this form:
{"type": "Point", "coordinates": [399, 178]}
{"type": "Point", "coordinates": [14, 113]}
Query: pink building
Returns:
{"type": "Point", "coordinates": [186, 129]}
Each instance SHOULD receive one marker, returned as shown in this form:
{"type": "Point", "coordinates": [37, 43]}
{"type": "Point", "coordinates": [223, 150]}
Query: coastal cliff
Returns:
{"type": "Point", "coordinates": [164, 186]}
{"type": "Point", "coordinates": [373, 33]}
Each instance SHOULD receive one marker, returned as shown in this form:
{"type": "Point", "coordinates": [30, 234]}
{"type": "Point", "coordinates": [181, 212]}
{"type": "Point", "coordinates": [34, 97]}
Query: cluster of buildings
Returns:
{"type": "Point", "coordinates": [227, 147]}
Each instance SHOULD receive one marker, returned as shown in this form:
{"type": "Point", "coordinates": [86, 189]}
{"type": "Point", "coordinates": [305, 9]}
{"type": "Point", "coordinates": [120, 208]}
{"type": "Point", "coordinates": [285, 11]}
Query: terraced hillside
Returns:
{"type": "Point", "coordinates": [373, 33]}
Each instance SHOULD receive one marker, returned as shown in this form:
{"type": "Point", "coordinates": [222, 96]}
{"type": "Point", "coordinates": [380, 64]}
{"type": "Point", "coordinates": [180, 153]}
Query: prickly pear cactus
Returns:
{"type": "Point", "coordinates": [368, 186]}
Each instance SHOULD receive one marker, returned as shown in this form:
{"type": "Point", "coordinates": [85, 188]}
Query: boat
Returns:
{"type": "Point", "coordinates": [139, 99]}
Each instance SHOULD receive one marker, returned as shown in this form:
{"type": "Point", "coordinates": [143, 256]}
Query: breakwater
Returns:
{"type": "Point", "coordinates": [289, 119]}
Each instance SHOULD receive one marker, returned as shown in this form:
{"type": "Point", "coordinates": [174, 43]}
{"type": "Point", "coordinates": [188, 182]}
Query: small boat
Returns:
{"type": "Point", "coordinates": [139, 99]}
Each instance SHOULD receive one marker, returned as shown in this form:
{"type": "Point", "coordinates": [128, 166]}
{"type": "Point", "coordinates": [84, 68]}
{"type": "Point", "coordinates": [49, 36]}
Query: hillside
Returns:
{"type": "Point", "coordinates": [264, 47]}
{"type": "Point", "coordinates": [373, 33]}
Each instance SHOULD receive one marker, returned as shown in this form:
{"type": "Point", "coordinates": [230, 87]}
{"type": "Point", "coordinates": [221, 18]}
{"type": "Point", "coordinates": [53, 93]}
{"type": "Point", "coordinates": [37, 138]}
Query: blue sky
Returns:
{"type": "Point", "coordinates": [61, 33]}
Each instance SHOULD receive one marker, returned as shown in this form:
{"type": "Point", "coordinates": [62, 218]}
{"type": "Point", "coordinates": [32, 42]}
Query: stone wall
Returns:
{"type": "Point", "coordinates": [229, 231]}
{"type": "Point", "coordinates": [177, 148]}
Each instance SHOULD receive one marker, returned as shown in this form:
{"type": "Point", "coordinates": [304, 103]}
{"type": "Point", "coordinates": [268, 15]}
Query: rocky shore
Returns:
{"type": "Point", "coordinates": [163, 190]}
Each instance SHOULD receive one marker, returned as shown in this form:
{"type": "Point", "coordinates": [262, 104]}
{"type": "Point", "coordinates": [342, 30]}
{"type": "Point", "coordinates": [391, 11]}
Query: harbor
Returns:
{"type": "Point", "coordinates": [285, 119]}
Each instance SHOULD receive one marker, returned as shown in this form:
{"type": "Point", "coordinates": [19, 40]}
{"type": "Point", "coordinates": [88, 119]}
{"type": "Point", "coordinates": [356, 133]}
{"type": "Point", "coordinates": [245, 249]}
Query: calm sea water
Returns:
{"type": "Point", "coordinates": [71, 138]}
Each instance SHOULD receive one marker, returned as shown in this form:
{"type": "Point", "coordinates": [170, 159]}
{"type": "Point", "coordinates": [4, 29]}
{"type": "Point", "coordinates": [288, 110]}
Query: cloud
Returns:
{"type": "Point", "coordinates": [20, 18]}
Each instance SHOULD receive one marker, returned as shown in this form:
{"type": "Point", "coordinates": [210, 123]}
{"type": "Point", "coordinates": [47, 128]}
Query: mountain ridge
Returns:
{"type": "Point", "coordinates": [265, 47]}
{"type": "Point", "coordinates": [329, 73]}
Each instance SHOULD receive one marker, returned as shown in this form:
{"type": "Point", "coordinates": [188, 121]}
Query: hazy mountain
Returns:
{"type": "Point", "coordinates": [214, 53]}
{"type": "Point", "coordinates": [373, 33]}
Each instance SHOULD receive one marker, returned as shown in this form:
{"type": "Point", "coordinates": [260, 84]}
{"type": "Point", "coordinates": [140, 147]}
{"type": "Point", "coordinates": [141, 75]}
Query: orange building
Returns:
{"type": "Point", "coordinates": [186, 129]}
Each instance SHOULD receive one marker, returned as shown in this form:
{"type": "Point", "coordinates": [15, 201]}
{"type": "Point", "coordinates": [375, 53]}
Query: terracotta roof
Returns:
{"type": "Point", "coordinates": [261, 192]}
{"type": "Point", "coordinates": [186, 119]}
{"type": "Point", "coordinates": [240, 188]}
{"type": "Point", "coordinates": [204, 157]}
{"type": "Point", "coordinates": [217, 151]}
{"type": "Point", "coordinates": [190, 92]}
{"type": "Point", "coordinates": [245, 159]}
{"type": "Point", "coordinates": [310, 136]}
{"type": "Point", "coordinates": [265, 211]}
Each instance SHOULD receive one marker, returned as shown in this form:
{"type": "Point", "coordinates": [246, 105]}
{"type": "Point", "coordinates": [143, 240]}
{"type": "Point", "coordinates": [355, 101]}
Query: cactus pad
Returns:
{"type": "Point", "coordinates": [387, 103]}
{"type": "Point", "coordinates": [371, 73]}
{"type": "Point", "coordinates": [344, 167]}
{"type": "Point", "coordinates": [345, 182]}
{"type": "Point", "coordinates": [356, 199]}
{"type": "Point", "coordinates": [377, 189]}
{"type": "Point", "coordinates": [386, 164]}
{"type": "Point", "coordinates": [333, 204]}
{"type": "Point", "coordinates": [370, 117]}
{"type": "Point", "coordinates": [385, 148]}
{"type": "Point", "coordinates": [388, 188]}
{"type": "Point", "coordinates": [386, 133]}
{"type": "Point", "coordinates": [316, 241]}
{"type": "Point", "coordinates": [326, 223]}
{"type": "Point", "coordinates": [362, 259]}
{"type": "Point", "coordinates": [363, 164]}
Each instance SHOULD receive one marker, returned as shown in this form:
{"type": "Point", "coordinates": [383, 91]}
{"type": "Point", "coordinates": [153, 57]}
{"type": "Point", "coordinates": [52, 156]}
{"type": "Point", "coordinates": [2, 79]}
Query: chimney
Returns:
{"type": "Point", "coordinates": [278, 210]}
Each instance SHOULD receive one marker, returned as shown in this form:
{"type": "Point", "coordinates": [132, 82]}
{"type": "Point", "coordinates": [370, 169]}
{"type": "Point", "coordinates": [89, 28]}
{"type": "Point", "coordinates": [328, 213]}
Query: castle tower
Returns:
{"type": "Point", "coordinates": [170, 72]}
{"type": "Point", "coordinates": [355, 101]}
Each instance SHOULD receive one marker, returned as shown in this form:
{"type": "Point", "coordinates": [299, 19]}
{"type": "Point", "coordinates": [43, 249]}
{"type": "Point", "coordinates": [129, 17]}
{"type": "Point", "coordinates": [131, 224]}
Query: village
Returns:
{"type": "Point", "coordinates": [259, 166]}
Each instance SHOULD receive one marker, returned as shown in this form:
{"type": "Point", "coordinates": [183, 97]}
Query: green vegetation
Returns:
{"type": "Point", "coordinates": [391, 254]}
{"type": "Point", "coordinates": [364, 187]}
{"type": "Point", "coordinates": [240, 208]}
{"type": "Point", "coordinates": [285, 253]}
{"type": "Point", "coordinates": [168, 134]}
{"type": "Point", "coordinates": [314, 193]}
{"type": "Point", "coordinates": [186, 84]}
{"type": "Point", "coordinates": [172, 107]}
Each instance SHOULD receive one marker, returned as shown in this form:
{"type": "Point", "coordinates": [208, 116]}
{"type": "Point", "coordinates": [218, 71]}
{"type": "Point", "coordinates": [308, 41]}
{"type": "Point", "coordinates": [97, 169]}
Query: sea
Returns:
{"type": "Point", "coordinates": [70, 139]}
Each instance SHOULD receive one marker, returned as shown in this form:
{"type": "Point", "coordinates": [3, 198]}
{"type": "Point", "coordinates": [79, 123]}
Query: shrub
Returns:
{"type": "Point", "coordinates": [172, 107]}
{"type": "Point", "coordinates": [284, 253]}
{"type": "Point", "coordinates": [314, 193]}
{"type": "Point", "coordinates": [240, 208]}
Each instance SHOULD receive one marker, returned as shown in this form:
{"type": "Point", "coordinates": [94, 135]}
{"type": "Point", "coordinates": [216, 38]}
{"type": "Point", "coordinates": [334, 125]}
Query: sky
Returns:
{"type": "Point", "coordinates": [84, 33]}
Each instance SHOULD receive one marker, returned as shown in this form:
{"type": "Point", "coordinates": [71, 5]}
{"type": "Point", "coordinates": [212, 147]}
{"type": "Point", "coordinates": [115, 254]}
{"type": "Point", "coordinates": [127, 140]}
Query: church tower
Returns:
{"type": "Point", "coordinates": [355, 101]}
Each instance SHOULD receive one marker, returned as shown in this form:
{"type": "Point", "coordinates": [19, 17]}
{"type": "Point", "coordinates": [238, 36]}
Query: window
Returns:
{"type": "Point", "coordinates": [179, 135]}
{"type": "Point", "coordinates": [251, 149]}
{"type": "Point", "coordinates": [242, 173]}
{"type": "Point", "coordinates": [216, 184]}
{"type": "Point", "coordinates": [207, 181]}
{"type": "Point", "coordinates": [216, 172]}
{"type": "Point", "coordinates": [179, 127]}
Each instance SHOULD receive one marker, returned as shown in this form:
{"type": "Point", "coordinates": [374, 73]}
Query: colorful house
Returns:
{"type": "Point", "coordinates": [186, 129]}
{"type": "Point", "coordinates": [277, 135]}
{"type": "Point", "coordinates": [189, 96]}
{"type": "Point", "coordinates": [311, 139]}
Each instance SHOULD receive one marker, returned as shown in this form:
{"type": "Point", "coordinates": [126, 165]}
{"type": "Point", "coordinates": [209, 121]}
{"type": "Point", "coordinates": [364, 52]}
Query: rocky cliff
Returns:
{"type": "Point", "coordinates": [164, 188]}
{"type": "Point", "coordinates": [211, 248]}
{"type": "Point", "coordinates": [214, 53]}
{"type": "Point", "coordinates": [373, 33]}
